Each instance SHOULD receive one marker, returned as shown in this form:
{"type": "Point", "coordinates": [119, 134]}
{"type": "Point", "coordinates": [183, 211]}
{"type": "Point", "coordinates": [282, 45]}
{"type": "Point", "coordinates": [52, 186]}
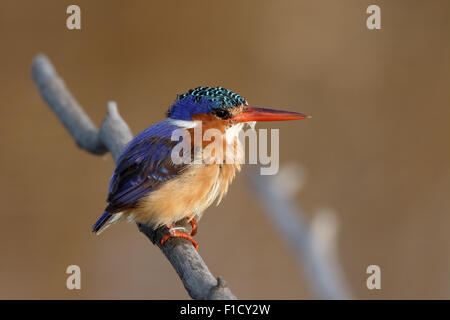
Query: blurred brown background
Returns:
{"type": "Point", "coordinates": [377, 149]}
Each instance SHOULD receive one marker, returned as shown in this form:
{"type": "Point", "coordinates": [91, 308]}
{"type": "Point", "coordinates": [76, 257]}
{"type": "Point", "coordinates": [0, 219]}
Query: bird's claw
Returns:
{"type": "Point", "coordinates": [174, 232]}
{"type": "Point", "coordinates": [193, 223]}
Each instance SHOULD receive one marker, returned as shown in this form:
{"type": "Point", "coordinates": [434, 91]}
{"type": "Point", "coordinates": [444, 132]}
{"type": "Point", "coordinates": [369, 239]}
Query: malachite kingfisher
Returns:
{"type": "Point", "coordinates": [149, 188]}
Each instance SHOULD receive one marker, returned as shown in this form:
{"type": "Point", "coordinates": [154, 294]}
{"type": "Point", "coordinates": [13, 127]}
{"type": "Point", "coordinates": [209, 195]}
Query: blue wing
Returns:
{"type": "Point", "coordinates": [144, 165]}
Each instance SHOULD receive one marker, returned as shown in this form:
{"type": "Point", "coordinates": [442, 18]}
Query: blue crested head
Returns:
{"type": "Point", "coordinates": [204, 100]}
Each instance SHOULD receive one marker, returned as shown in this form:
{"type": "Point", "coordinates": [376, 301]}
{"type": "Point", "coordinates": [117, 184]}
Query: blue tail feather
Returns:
{"type": "Point", "coordinates": [106, 216]}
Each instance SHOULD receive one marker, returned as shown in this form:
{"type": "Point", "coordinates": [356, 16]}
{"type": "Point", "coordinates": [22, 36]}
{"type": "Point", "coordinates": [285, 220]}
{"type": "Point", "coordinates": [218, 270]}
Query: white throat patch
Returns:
{"type": "Point", "coordinates": [233, 132]}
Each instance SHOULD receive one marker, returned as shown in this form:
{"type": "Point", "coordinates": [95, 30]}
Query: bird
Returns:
{"type": "Point", "coordinates": [148, 187]}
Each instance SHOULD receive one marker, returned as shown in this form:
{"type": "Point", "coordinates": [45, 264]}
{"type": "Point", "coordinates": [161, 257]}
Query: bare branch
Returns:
{"type": "Point", "coordinates": [71, 114]}
{"type": "Point", "coordinates": [114, 132]}
{"type": "Point", "coordinates": [113, 135]}
{"type": "Point", "coordinates": [311, 248]}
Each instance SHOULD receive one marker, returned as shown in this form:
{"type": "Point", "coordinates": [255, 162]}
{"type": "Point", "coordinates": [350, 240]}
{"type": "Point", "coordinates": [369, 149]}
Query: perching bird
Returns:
{"type": "Point", "coordinates": [148, 187]}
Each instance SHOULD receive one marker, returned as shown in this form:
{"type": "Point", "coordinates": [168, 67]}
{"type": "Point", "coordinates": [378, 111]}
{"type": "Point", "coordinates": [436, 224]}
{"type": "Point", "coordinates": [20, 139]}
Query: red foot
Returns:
{"type": "Point", "coordinates": [193, 223]}
{"type": "Point", "coordinates": [173, 233]}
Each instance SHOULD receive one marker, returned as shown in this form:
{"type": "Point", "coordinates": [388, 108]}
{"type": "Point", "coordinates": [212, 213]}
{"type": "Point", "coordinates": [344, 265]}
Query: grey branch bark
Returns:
{"type": "Point", "coordinates": [113, 135]}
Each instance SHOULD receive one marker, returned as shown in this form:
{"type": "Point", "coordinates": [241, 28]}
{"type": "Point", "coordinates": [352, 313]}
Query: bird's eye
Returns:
{"type": "Point", "coordinates": [222, 113]}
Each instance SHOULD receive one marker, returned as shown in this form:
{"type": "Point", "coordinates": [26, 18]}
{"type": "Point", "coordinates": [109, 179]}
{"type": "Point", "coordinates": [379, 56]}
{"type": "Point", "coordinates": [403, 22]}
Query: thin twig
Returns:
{"type": "Point", "coordinates": [113, 135]}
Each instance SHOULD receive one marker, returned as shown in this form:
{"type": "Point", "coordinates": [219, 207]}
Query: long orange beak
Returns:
{"type": "Point", "coordinates": [263, 114]}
